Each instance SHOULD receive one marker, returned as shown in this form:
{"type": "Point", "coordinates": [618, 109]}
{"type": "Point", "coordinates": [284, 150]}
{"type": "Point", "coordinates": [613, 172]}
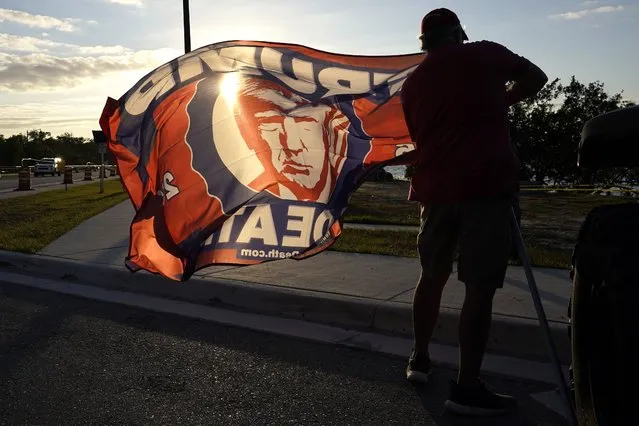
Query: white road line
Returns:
{"type": "Point", "coordinates": [441, 354]}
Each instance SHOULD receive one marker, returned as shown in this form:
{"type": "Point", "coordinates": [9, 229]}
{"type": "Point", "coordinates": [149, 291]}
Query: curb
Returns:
{"type": "Point", "coordinates": [510, 336]}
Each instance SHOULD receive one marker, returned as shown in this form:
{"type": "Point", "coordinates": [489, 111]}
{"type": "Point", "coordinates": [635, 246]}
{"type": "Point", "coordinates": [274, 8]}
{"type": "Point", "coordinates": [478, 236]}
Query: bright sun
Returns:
{"type": "Point", "coordinates": [229, 88]}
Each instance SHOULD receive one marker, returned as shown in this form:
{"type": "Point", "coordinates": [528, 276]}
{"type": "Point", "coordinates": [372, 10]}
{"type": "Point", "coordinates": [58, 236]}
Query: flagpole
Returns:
{"type": "Point", "coordinates": [564, 390]}
{"type": "Point", "coordinates": [187, 26]}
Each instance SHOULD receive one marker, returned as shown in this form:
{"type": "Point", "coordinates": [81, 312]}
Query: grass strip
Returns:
{"type": "Point", "coordinates": [28, 224]}
{"type": "Point", "coordinates": [404, 244]}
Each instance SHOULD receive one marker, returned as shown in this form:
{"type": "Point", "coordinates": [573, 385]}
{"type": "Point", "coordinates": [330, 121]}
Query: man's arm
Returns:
{"type": "Point", "coordinates": [410, 157]}
{"type": "Point", "coordinates": [526, 84]}
{"type": "Point", "coordinates": [527, 77]}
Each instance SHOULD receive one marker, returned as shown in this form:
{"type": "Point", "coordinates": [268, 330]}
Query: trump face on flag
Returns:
{"type": "Point", "coordinates": [298, 145]}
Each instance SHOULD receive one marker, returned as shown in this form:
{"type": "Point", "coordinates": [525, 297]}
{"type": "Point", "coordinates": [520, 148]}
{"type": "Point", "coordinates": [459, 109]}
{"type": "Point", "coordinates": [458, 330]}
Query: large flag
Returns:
{"type": "Point", "coordinates": [246, 152]}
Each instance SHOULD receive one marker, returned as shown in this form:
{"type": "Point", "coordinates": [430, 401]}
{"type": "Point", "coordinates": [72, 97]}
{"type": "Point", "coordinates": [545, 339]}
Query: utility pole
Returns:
{"type": "Point", "coordinates": [187, 26]}
{"type": "Point", "coordinates": [102, 171]}
{"type": "Point", "coordinates": [101, 141]}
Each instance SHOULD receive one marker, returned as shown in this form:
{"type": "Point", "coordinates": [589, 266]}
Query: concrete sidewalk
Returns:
{"type": "Point", "coordinates": [346, 286]}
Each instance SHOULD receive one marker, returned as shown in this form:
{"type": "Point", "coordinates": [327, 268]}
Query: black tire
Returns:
{"type": "Point", "coordinates": [604, 327]}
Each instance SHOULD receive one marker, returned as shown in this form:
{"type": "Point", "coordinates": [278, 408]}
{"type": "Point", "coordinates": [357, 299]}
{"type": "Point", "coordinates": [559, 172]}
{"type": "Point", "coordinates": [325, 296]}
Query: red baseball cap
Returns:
{"type": "Point", "coordinates": [438, 19]}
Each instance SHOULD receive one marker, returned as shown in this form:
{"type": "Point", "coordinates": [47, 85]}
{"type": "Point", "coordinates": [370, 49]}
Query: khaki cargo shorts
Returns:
{"type": "Point", "coordinates": [480, 229]}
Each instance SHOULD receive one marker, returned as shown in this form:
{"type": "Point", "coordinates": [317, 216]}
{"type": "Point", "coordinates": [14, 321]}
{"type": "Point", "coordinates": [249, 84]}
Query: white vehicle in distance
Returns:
{"type": "Point", "coordinates": [48, 166]}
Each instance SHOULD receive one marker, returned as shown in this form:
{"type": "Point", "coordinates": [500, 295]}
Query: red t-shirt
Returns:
{"type": "Point", "coordinates": [457, 115]}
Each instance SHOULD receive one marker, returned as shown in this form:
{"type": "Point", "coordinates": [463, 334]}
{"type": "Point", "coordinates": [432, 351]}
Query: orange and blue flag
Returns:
{"type": "Point", "coordinates": [246, 152]}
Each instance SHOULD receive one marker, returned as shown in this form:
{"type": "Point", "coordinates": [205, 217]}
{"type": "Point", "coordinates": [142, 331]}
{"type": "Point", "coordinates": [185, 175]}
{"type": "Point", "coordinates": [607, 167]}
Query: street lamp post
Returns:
{"type": "Point", "coordinates": [187, 27]}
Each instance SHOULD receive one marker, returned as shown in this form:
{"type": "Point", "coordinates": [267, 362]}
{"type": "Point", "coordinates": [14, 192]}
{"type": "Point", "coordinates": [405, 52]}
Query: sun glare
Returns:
{"type": "Point", "coordinates": [229, 88]}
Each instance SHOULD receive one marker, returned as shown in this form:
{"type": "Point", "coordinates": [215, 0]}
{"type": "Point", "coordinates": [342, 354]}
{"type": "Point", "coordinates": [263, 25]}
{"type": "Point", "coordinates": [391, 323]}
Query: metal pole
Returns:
{"type": "Point", "coordinates": [102, 173]}
{"type": "Point", "coordinates": [187, 27]}
{"type": "Point", "coordinates": [543, 322]}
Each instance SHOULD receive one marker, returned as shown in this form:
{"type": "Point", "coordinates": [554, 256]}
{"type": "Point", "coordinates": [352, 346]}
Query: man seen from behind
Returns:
{"type": "Point", "coordinates": [466, 174]}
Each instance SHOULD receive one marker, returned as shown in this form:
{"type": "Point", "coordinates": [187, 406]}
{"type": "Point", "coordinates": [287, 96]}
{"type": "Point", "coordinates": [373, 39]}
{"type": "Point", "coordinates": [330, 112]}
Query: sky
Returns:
{"type": "Point", "coordinates": [61, 59]}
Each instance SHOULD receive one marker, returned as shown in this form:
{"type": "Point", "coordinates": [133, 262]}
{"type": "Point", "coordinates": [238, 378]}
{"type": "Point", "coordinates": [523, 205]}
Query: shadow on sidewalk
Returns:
{"type": "Point", "coordinates": [545, 295]}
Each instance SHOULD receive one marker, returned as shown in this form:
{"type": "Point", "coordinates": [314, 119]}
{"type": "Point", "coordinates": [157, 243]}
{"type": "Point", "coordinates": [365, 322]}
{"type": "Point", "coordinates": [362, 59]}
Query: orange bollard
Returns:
{"type": "Point", "coordinates": [24, 179]}
{"type": "Point", "coordinates": [68, 175]}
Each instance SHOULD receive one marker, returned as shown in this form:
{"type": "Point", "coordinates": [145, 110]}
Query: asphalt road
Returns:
{"type": "Point", "coordinates": [8, 185]}
{"type": "Point", "coordinates": [66, 360]}
{"type": "Point", "coordinates": [11, 182]}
